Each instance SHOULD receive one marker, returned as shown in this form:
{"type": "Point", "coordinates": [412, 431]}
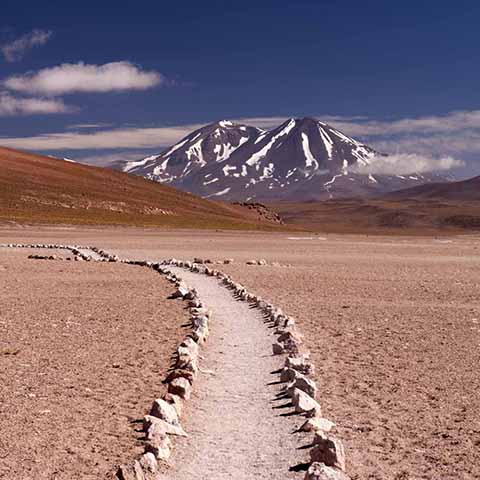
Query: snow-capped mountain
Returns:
{"type": "Point", "coordinates": [213, 143]}
{"type": "Point", "coordinates": [302, 159]}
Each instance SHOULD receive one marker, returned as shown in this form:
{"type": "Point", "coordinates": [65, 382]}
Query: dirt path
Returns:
{"type": "Point", "coordinates": [237, 426]}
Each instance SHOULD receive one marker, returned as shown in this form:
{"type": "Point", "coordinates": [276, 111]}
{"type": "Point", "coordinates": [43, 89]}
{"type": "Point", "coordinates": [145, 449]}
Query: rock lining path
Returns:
{"type": "Point", "coordinates": [238, 427]}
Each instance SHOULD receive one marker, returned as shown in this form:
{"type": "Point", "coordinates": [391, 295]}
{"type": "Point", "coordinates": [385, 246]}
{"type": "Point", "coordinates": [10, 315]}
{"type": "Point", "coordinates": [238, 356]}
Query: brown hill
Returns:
{"type": "Point", "coordinates": [427, 209]}
{"type": "Point", "coordinates": [40, 189]}
{"type": "Point", "coordinates": [465, 190]}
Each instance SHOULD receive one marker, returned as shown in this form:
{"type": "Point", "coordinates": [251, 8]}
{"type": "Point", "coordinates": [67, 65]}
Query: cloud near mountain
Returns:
{"type": "Point", "coordinates": [407, 163]}
{"type": "Point", "coordinates": [454, 137]}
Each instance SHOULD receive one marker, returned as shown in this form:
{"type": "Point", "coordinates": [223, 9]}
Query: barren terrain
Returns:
{"type": "Point", "coordinates": [391, 215]}
{"type": "Point", "coordinates": [393, 324]}
{"type": "Point", "coordinates": [43, 190]}
{"type": "Point", "coordinates": [83, 350]}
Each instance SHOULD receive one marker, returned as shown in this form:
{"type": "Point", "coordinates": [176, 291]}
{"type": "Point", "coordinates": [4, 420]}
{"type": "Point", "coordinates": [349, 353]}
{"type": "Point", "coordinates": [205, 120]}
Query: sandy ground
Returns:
{"type": "Point", "coordinates": [83, 350]}
{"type": "Point", "coordinates": [240, 425]}
{"type": "Point", "coordinates": [393, 325]}
{"type": "Point", "coordinates": [397, 349]}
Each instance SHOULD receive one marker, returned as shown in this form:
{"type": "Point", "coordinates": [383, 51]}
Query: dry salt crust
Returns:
{"type": "Point", "coordinates": [238, 427]}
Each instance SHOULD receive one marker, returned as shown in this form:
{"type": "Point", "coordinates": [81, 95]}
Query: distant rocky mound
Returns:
{"type": "Point", "coordinates": [262, 211]}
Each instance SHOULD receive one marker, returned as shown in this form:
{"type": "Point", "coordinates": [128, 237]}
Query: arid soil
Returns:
{"type": "Point", "coordinates": [397, 349]}
{"type": "Point", "coordinates": [390, 215]}
{"type": "Point", "coordinates": [393, 325]}
{"type": "Point", "coordinates": [83, 350]}
{"type": "Point", "coordinates": [42, 190]}
{"type": "Point", "coordinates": [394, 330]}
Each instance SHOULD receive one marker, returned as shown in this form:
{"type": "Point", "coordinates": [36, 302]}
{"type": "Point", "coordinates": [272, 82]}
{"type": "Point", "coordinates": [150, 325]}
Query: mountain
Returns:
{"type": "Point", "coordinates": [211, 144]}
{"type": "Point", "coordinates": [465, 190]}
{"type": "Point", "coordinates": [302, 159]}
{"type": "Point", "coordinates": [35, 188]}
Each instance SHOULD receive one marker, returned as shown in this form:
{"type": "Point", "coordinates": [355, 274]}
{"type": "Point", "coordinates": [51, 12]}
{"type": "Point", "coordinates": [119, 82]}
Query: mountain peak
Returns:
{"type": "Point", "coordinates": [226, 123]}
{"type": "Point", "coordinates": [306, 120]}
{"type": "Point", "coordinates": [302, 159]}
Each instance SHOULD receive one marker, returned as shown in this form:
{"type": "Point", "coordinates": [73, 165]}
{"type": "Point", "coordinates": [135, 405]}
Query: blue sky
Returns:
{"type": "Point", "coordinates": [402, 76]}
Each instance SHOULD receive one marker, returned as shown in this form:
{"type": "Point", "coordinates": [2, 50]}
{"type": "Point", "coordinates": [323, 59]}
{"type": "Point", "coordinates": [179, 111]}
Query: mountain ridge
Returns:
{"type": "Point", "coordinates": [302, 159]}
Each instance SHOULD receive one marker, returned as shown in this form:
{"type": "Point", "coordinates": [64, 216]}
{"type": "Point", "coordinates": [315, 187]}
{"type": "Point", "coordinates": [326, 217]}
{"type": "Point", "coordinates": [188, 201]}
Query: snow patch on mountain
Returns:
{"type": "Point", "coordinates": [263, 152]}
{"type": "Point", "coordinates": [310, 160]}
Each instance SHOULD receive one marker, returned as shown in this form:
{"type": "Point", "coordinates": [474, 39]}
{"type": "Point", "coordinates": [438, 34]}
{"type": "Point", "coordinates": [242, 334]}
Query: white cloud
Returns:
{"type": "Point", "coordinates": [414, 144]}
{"type": "Point", "coordinates": [457, 144]}
{"type": "Point", "coordinates": [87, 126]}
{"type": "Point", "coordinates": [105, 139]}
{"type": "Point", "coordinates": [407, 163]}
{"type": "Point", "coordinates": [11, 106]}
{"type": "Point", "coordinates": [80, 77]}
{"type": "Point", "coordinates": [109, 158]}
{"type": "Point", "coordinates": [451, 122]}
{"type": "Point", "coordinates": [14, 51]}
{"type": "Point", "coordinates": [363, 126]}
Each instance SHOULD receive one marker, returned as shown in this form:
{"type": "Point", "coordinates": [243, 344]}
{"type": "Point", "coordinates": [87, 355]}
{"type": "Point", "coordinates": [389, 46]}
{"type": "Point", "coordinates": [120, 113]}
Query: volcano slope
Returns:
{"type": "Point", "coordinates": [38, 189]}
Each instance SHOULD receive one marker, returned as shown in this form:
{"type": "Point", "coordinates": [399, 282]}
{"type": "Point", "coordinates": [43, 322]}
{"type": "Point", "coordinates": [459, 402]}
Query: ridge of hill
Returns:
{"type": "Point", "coordinates": [39, 189]}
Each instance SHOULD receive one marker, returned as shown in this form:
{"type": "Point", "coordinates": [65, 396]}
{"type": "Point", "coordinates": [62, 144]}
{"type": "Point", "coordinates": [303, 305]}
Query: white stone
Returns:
{"type": "Point", "coordinates": [328, 450]}
{"type": "Point", "coordinates": [288, 374]}
{"type": "Point", "coordinates": [148, 462]}
{"type": "Point", "coordinates": [303, 383]}
{"type": "Point", "coordinates": [200, 334]}
{"type": "Point", "coordinates": [301, 364]}
{"type": "Point", "coordinates": [133, 471]}
{"type": "Point", "coordinates": [305, 403]}
{"type": "Point", "coordinates": [187, 361]}
{"type": "Point", "coordinates": [181, 387]}
{"type": "Point", "coordinates": [200, 321]}
{"type": "Point", "coordinates": [153, 425]}
{"type": "Point", "coordinates": [165, 411]}
{"type": "Point", "coordinates": [277, 348]}
{"type": "Point", "coordinates": [315, 424]}
{"type": "Point", "coordinates": [181, 292]}
{"type": "Point", "coordinates": [158, 444]}
{"type": "Point", "coordinates": [319, 471]}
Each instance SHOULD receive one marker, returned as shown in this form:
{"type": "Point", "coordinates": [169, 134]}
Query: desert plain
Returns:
{"type": "Point", "coordinates": [392, 324]}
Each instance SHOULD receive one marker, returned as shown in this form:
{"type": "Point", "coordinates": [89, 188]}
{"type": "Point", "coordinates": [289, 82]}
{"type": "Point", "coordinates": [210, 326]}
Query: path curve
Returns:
{"type": "Point", "coordinates": [238, 427]}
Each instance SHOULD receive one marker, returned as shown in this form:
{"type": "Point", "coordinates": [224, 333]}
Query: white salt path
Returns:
{"type": "Point", "coordinates": [235, 427]}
